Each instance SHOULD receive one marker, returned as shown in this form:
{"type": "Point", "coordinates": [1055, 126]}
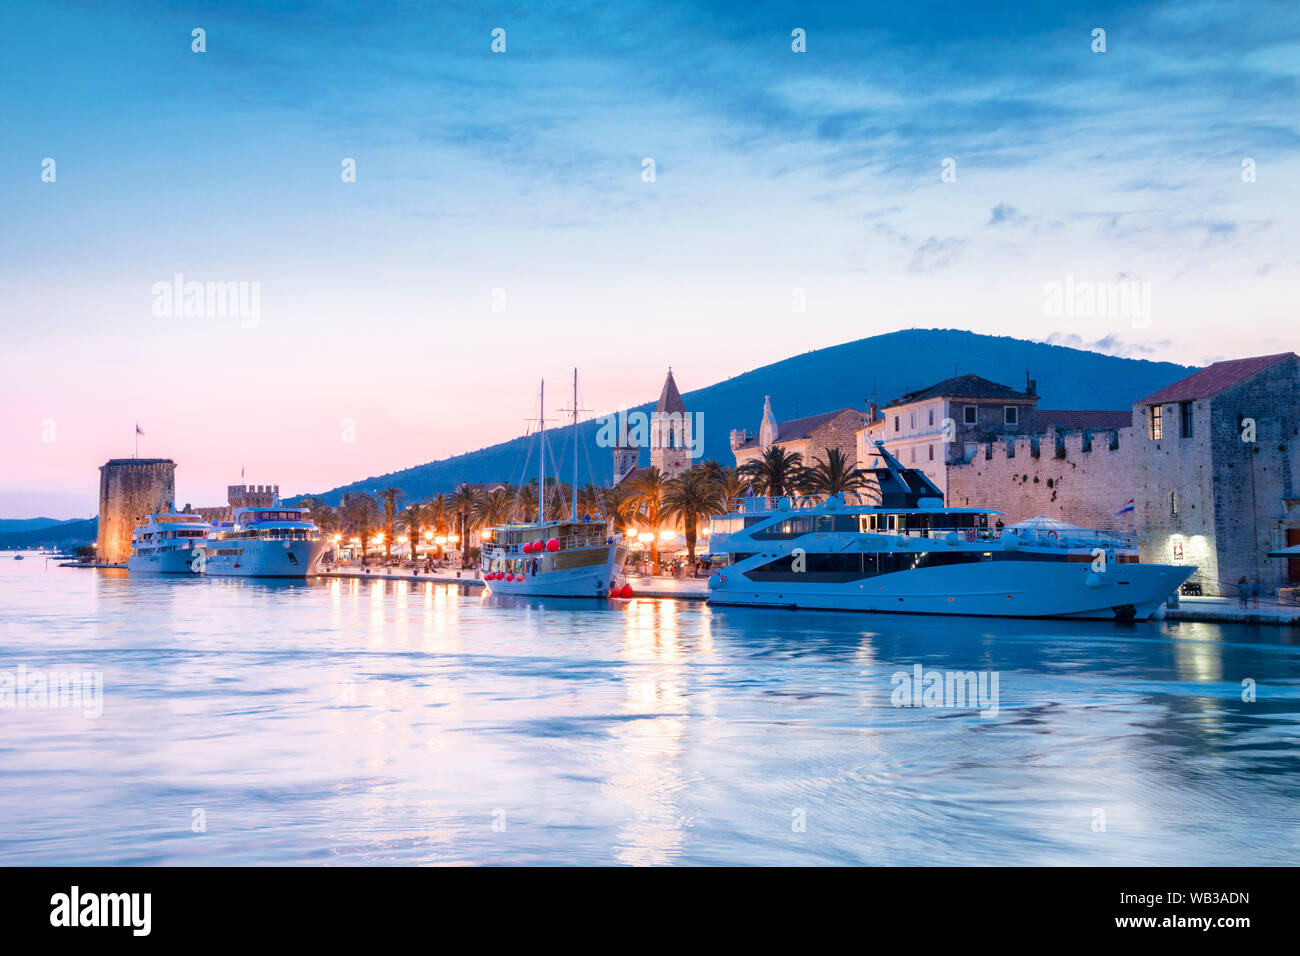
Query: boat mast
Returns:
{"type": "Point", "coordinates": [541, 468]}
{"type": "Point", "coordinates": [575, 446]}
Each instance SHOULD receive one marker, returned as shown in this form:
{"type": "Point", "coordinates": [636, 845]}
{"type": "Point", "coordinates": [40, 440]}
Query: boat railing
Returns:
{"type": "Point", "coordinates": [763, 504]}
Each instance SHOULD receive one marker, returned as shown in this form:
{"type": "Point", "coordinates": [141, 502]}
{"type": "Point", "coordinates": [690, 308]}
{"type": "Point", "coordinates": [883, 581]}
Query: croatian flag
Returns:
{"type": "Point", "coordinates": [138, 429]}
{"type": "Point", "coordinates": [1126, 509]}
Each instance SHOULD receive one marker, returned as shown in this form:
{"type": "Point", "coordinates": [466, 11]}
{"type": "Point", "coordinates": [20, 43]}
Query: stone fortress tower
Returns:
{"type": "Point", "coordinates": [130, 489]}
{"type": "Point", "coordinates": [670, 432]}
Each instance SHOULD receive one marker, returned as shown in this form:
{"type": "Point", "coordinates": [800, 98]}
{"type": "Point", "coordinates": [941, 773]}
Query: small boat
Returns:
{"type": "Point", "coordinates": [908, 554]}
{"type": "Point", "coordinates": [566, 558]}
{"type": "Point", "coordinates": [18, 557]}
{"type": "Point", "coordinates": [169, 543]}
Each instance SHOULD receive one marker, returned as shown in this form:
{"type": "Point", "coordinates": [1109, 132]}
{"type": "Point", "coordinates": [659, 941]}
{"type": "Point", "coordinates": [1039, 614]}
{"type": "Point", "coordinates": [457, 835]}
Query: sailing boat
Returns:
{"type": "Point", "coordinates": [567, 558]}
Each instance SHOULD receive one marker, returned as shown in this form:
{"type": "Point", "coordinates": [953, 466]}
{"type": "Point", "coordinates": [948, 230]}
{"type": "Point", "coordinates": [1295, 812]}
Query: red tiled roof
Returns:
{"type": "Point", "coordinates": [1213, 379]}
{"type": "Point", "coordinates": [1050, 418]}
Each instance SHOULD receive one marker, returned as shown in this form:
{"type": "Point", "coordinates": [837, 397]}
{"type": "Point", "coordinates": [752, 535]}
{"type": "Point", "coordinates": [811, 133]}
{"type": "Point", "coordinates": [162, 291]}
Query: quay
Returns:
{"type": "Point", "coordinates": [679, 589]}
{"type": "Point", "coordinates": [1207, 609]}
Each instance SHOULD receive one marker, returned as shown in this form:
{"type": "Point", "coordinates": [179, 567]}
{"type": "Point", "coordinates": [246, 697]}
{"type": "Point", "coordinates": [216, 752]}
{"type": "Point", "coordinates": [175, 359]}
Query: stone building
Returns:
{"type": "Point", "coordinates": [809, 436]}
{"type": "Point", "coordinates": [944, 424]}
{"type": "Point", "coordinates": [670, 433]}
{"type": "Point", "coordinates": [131, 489]}
{"type": "Point", "coordinates": [239, 496]}
{"type": "Point", "coordinates": [1217, 459]}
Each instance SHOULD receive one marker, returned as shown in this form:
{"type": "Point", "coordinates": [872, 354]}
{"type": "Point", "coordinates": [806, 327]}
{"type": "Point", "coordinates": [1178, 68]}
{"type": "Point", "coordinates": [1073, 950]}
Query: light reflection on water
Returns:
{"type": "Point", "coordinates": [354, 722]}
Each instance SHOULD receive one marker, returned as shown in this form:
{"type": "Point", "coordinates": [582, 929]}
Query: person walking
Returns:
{"type": "Point", "coordinates": [1243, 591]}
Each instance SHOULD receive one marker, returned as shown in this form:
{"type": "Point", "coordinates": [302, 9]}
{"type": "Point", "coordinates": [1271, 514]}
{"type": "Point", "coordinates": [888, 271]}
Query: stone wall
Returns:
{"type": "Point", "coordinates": [1230, 493]}
{"type": "Point", "coordinates": [840, 432]}
{"type": "Point", "coordinates": [1025, 477]}
{"type": "Point", "coordinates": [131, 489]}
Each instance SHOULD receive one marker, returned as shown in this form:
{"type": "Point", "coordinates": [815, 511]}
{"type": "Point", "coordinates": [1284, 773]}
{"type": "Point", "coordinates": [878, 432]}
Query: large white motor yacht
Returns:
{"type": "Point", "coordinates": [907, 553]}
{"type": "Point", "coordinates": [275, 542]}
{"type": "Point", "coordinates": [170, 543]}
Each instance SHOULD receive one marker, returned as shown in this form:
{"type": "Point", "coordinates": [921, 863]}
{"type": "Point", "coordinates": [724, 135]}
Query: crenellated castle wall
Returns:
{"type": "Point", "coordinates": [1080, 477]}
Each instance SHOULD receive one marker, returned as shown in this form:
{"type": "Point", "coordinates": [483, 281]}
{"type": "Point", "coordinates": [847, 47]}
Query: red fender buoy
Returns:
{"type": "Point", "coordinates": [528, 547]}
{"type": "Point", "coordinates": [553, 544]}
{"type": "Point", "coordinates": [626, 591]}
{"type": "Point", "coordinates": [510, 577]}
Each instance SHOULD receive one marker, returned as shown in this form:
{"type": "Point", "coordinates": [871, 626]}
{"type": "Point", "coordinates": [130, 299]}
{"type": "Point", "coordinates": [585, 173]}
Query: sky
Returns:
{"type": "Point", "coordinates": [915, 165]}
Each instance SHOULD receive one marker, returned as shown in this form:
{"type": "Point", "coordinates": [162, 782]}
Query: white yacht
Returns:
{"type": "Point", "coordinates": [908, 553]}
{"type": "Point", "coordinates": [567, 558]}
{"type": "Point", "coordinates": [170, 543]}
{"type": "Point", "coordinates": [274, 542]}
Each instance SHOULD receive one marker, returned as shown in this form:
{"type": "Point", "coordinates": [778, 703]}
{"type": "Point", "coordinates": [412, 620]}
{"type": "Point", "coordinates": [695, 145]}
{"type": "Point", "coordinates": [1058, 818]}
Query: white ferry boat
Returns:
{"type": "Point", "coordinates": [170, 543]}
{"type": "Point", "coordinates": [275, 542]}
{"type": "Point", "coordinates": [569, 558]}
{"type": "Point", "coordinates": [910, 554]}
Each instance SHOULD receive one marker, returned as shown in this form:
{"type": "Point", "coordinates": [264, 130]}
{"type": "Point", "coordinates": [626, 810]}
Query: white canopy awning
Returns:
{"type": "Point", "coordinates": [1290, 552]}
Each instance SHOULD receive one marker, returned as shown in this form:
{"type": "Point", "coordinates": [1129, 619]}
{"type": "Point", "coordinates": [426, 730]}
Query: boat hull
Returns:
{"type": "Point", "coordinates": [179, 561]}
{"type": "Point", "coordinates": [1001, 589]}
{"type": "Point", "coordinates": [590, 578]}
{"type": "Point", "coordinates": [253, 558]}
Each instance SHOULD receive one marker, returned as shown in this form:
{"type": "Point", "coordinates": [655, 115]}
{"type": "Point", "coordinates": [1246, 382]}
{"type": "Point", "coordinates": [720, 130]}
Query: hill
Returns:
{"type": "Point", "coordinates": [840, 376]}
{"type": "Point", "coordinates": [62, 533]}
{"type": "Point", "coordinates": [26, 524]}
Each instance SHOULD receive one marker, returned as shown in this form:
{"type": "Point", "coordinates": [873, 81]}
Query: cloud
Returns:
{"type": "Point", "coordinates": [1108, 344]}
{"type": "Point", "coordinates": [936, 254]}
{"type": "Point", "coordinates": [1005, 213]}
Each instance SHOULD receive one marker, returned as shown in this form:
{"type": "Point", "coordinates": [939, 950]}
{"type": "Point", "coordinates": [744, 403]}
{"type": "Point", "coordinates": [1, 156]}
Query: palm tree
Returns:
{"type": "Point", "coordinates": [413, 520]}
{"type": "Point", "coordinates": [591, 499]}
{"type": "Point", "coordinates": [462, 503]}
{"type": "Point", "coordinates": [527, 499]}
{"type": "Point", "coordinates": [646, 498]}
{"type": "Point", "coordinates": [437, 513]}
{"type": "Point", "coordinates": [832, 475]}
{"type": "Point", "coordinates": [689, 497]}
{"type": "Point", "coordinates": [495, 508]}
{"type": "Point", "coordinates": [712, 468]}
{"type": "Point", "coordinates": [731, 484]}
{"type": "Point", "coordinates": [390, 497]}
{"type": "Point", "coordinates": [359, 520]}
{"type": "Point", "coordinates": [775, 473]}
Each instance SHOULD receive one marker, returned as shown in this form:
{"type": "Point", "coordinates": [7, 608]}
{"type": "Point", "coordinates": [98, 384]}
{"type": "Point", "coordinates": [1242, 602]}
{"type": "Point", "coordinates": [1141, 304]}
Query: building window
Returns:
{"type": "Point", "coordinates": [931, 447]}
{"type": "Point", "coordinates": [1185, 419]}
{"type": "Point", "coordinates": [931, 416]}
{"type": "Point", "coordinates": [895, 423]}
{"type": "Point", "coordinates": [913, 425]}
{"type": "Point", "coordinates": [913, 453]}
{"type": "Point", "coordinates": [1157, 423]}
{"type": "Point", "coordinates": [1011, 415]}
{"type": "Point", "coordinates": [971, 414]}
{"type": "Point", "coordinates": [1173, 502]}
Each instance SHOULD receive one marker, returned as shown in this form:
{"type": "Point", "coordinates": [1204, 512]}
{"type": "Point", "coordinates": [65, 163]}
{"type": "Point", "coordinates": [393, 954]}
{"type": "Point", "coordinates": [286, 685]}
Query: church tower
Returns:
{"type": "Point", "coordinates": [670, 432]}
{"type": "Point", "coordinates": [768, 430]}
{"type": "Point", "coordinates": [626, 456]}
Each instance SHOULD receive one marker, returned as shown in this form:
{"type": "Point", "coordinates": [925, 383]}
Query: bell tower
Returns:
{"type": "Point", "coordinates": [670, 432]}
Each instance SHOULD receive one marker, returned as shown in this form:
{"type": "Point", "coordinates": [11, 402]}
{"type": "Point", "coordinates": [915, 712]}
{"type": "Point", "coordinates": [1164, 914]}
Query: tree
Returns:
{"type": "Point", "coordinates": [413, 521]}
{"type": "Point", "coordinates": [646, 497]}
{"type": "Point", "coordinates": [461, 503]}
{"type": "Point", "coordinates": [390, 497]}
{"type": "Point", "coordinates": [832, 475]}
{"type": "Point", "coordinates": [775, 473]}
{"type": "Point", "coordinates": [495, 508]}
{"type": "Point", "coordinates": [689, 497]}
{"type": "Point", "coordinates": [359, 520]}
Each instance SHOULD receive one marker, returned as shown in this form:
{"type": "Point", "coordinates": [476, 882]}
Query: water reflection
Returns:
{"type": "Point", "coordinates": [410, 722]}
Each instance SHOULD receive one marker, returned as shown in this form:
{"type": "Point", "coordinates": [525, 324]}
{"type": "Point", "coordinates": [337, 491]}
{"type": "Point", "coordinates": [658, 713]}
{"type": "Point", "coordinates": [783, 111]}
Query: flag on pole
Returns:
{"type": "Point", "coordinates": [138, 429]}
{"type": "Point", "coordinates": [1126, 509]}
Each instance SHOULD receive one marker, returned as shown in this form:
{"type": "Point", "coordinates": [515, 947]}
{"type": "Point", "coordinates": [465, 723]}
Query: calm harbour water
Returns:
{"type": "Point", "coordinates": [371, 723]}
